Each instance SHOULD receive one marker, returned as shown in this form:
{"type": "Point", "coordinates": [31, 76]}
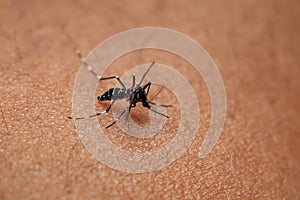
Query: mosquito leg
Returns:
{"type": "Point", "coordinates": [153, 103]}
{"type": "Point", "coordinates": [117, 118]}
{"type": "Point", "coordinates": [86, 64]}
{"type": "Point", "coordinates": [110, 105]}
{"type": "Point", "coordinates": [147, 86]}
{"type": "Point", "coordinates": [150, 108]}
{"type": "Point", "coordinates": [112, 77]}
{"type": "Point", "coordinates": [146, 73]}
{"type": "Point", "coordinates": [93, 72]}
{"type": "Point", "coordinates": [99, 113]}
{"type": "Point", "coordinates": [127, 115]}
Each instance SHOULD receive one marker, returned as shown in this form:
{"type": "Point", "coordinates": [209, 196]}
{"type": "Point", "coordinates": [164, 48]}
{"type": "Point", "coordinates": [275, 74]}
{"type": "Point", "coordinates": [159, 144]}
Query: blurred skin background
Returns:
{"type": "Point", "coordinates": [255, 45]}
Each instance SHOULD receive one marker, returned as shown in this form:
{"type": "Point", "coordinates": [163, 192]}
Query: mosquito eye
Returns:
{"type": "Point", "coordinates": [99, 98]}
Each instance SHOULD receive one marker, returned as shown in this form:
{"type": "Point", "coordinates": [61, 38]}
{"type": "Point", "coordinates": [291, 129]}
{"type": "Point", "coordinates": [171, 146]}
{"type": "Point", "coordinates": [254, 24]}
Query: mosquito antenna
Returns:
{"type": "Point", "coordinates": [146, 73]}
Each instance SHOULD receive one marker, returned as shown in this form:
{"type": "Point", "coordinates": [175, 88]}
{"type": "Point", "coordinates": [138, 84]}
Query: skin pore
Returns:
{"type": "Point", "coordinates": [255, 46]}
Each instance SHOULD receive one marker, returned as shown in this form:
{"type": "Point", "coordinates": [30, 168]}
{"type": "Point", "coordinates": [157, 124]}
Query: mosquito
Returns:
{"type": "Point", "coordinates": [137, 93]}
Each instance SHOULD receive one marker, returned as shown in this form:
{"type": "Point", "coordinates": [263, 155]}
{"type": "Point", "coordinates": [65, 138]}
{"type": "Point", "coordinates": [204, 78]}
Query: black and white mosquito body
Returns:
{"type": "Point", "coordinates": [135, 94]}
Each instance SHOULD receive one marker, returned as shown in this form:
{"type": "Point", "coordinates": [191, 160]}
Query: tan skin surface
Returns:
{"type": "Point", "coordinates": [254, 44]}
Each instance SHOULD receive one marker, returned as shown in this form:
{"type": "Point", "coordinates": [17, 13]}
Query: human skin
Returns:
{"type": "Point", "coordinates": [255, 45]}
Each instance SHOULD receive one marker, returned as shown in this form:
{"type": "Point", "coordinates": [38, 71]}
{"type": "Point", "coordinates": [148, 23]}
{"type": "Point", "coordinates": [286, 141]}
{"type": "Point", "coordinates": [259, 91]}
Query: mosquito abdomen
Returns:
{"type": "Point", "coordinates": [114, 94]}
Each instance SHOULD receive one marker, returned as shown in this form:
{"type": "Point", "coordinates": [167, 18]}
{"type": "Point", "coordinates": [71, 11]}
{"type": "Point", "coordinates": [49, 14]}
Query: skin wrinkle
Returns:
{"type": "Point", "coordinates": [67, 183]}
{"type": "Point", "coordinates": [4, 121]}
{"type": "Point", "coordinates": [3, 32]}
{"type": "Point", "coordinates": [17, 47]}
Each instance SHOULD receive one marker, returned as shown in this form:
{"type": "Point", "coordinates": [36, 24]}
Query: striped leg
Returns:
{"type": "Point", "coordinates": [93, 72]}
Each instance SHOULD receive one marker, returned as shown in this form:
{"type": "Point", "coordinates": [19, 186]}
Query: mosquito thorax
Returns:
{"type": "Point", "coordinates": [138, 94]}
